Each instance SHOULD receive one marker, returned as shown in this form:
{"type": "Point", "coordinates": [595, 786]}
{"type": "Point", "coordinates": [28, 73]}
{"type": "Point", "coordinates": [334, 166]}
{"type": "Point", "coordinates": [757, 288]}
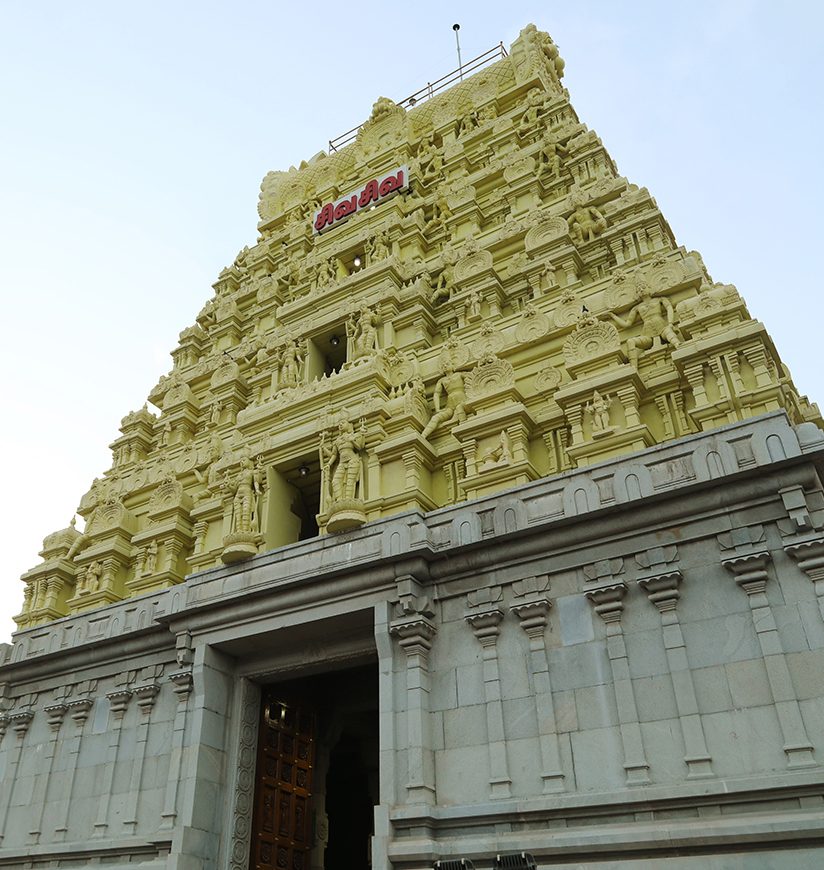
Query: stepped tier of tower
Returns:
{"type": "Point", "coordinates": [465, 298]}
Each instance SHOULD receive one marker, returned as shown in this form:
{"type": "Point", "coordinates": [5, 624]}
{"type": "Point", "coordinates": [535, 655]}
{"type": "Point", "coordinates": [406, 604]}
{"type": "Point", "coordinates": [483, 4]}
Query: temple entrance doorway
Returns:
{"type": "Point", "coordinates": [317, 773]}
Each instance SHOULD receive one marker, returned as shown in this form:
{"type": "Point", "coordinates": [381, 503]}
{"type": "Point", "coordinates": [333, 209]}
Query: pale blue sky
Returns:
{"type": "Point", "coordinates": [133, 140]}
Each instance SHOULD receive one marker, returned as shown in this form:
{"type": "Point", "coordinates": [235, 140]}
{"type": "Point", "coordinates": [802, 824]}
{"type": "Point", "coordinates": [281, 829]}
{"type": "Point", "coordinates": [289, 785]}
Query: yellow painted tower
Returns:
{"type": "Point", "coordinates": [461, 296]}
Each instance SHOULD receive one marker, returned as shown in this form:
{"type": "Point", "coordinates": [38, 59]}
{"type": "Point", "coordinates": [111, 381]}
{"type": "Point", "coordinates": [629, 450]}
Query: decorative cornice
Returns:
{"type": "Point", "coordinates": [55, 714]}
{"type": "Point", "coordinates": [414, 633]}
{"type": "Point", "coordinates": [750, 571]}
{"type": "Point", "coordinates": [183, 683]}
{"type": "Point", "coordinates": [662, 589]}
{"type": "Point", "coordinates": [533, 614]}
{"type": "Point", "coordinates": [608, 601]}
{"type": "Point", "coordinates": [20, 721]}
{"type": "Point", "coordinates": [80, 708]}
{"type": "Point", "coordinates": [146, 696]}
{"type": "Point", "coordinates": [119, 701]}
{"type": "Point", "coordinates": [486, 625]}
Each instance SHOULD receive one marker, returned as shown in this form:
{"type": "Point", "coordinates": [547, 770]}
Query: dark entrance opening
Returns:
{"type": "Point", "coordinates": [349, 804]}
{"type": "Point", "coordinates": [317, 772]}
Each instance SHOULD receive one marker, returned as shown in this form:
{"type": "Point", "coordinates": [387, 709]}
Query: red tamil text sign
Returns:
{"type": "Point", "coordinates": [373, 192]}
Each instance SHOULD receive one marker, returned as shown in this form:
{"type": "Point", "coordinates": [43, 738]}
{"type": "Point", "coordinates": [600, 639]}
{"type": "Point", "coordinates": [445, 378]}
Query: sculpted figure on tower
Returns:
{"type": "Point", "coordinates": [586, 222]}
{"type": "Point", "coordinates": [291, 359]}
{"type": "Point", "coordinates": [341, 462]}
{"type": "Point", "coordinates": [247, 488]}
{"type": "Point", "coordinates": [362, 328]}
{"type": "Point", "coordinates": [656, 316]}
{"type": "Point", "coordinates": [449, 399]}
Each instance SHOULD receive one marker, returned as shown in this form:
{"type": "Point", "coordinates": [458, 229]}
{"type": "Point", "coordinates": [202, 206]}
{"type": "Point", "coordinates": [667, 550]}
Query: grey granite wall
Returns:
{"type": "Point", "coordinates": [615, 667]}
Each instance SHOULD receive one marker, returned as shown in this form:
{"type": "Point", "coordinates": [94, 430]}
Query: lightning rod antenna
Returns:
{"type": "Point", "coordinates": [456, 28]}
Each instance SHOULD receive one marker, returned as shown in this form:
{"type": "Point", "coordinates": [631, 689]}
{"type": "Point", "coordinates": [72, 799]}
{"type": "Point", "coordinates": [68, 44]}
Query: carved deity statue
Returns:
{"type": "Point", "coordinates": [440, 212]}
{"type": "Point", "coordinates": [341, 461]}
{"type": "Point", "coordinates": [247, 488]}
{"type": "Point", "coordinates": [91, 578]}
{"type": "Point", "coordinates": [656, 316]}
{"type": "Point", "coordinates": [258, 355]}
{"type": "Point", "coordinates": [469, 122]}
{"type": "Point", "coordinates": [501, 454]}
{"type": "Point", "coordinates": [327, 273]}
{"type": "Point", "coordinates": [150, 562]}
{"type": "Point", "coordinates": [531, 115]}
{"type": "Point", "coordinates": [216, 411]}
{"type": "Point", "coordinates": [291, 358]}
{"type": "Point", "coordinates": [450, 386]}
{"type": "Point", "coordinates": [362, 329]}
{"type": "Point", "coordinates": [206, 472]}
{"type": "Point", "coordinates": [443, 286]}
{"type": "Point", "coordinates": [586, 222]}
{"type": "Point", "coordinates": [380, 248]}
{"type": "Point", "coordinates": [549, 157]}
{"type": "Point", "coordinates": [599, 408]}
{"type": "Point", "coordinates": [430, 160]}
{"type": "Point", "coordinates": [473, 304]}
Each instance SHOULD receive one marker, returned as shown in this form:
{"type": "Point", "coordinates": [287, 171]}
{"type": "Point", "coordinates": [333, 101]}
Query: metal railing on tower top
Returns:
{"type": "Point", "coordinates": [430, 89]}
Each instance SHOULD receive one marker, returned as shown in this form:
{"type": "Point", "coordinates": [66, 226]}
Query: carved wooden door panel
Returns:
{"type": "Point", "coordinates": [281, 837]}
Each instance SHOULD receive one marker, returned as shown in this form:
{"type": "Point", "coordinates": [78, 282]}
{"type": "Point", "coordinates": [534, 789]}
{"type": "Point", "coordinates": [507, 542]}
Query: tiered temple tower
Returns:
{"type": "Point", "coordinates": [473, 522]}
{"type": "Point", "coordinates": [500, 305]}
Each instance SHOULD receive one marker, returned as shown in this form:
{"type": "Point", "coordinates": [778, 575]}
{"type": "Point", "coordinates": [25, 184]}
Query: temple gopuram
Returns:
{"type": "Point", "coordinates": [473, 522]}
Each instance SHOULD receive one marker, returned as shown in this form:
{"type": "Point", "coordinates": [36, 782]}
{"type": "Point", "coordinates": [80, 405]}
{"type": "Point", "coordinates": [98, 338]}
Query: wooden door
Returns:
{"type": "Point", "coordinates": [281, 836]}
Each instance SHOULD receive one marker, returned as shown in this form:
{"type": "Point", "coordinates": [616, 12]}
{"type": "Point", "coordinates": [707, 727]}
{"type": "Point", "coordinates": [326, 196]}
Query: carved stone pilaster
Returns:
{"type": "Point", "coordinates": [182, 684]}
{"type": "Point", "coordinates": [79, 710]}
{"type": "Point", "coordinates": [532, 607]}
{"type": "Point", "coordinates": [243, 770]}
{"type": "Point", "coordinates": [415, 636]}
{"type": "Point", "coordinates": [750, 572]}
{"type": "Point", "coordinates": [608, 603]}
{"type": "Point", "coordinates": [79, 704]}
{"type": "Point", "coordinates": [533, 616]}
{"type": "Point", "coordinates": [663, 591]}
{"type": "Point", "coordinates": [146, 697]}
{"type": "Point", "coordinates": [20, 721]}
{"type": "Point", "coordinates": [749, 568]}
{"type": "Point", "coordinates": [486, 626]}
{"type": "Point", "coordinates": [485, 621]}
{"type": "Point", "coordinates": [119, 702]}
{"type": "Point", "coordinates": [809, 555]}
{"type": "Point", "coordinates": [414, 632]}
{"type": "Point", "coordinates": [55, 713]}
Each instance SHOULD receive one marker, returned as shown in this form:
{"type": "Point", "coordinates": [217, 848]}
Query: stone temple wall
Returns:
{"type": "Point", "coordinates": [614, 667]}
{"type": "Point", "coordinates": [466, 417]}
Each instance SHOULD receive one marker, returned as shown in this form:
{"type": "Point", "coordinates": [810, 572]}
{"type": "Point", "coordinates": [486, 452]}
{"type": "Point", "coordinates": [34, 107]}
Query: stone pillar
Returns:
{"type": "Point", "coordinates": [750, 572]}
{"type": "Point", "coordinates": [55, 713]}
{"type": "Point", "coordinates": [244, 741]}
{"type": "Point", "coordinates": [19, 720]}
{"type": "Point", "coordinates": [485, 624]}
{"type": "Point", "coordinates": [146, 696]}
{"type": "Point", "coordinates": [609, 605]}
{"type": "Point", "coordinates": [118, 704]}
{"type": "Point", "coordinates": [415, 633]}
{"type": "Point", "coordinates": [182, 687]}
{"type": "Point", "coordinates": [810, 558]}
{"type": "Point", "coordinates": [202, 796]}
{"type": "Point", "coordinates": [387, 763]}
{"type": "Point", "coordinates": [533, 612]}
{"type": "Point", "coordinates": [79, 709]}
{"type": "Point", "coordinates": [663, 591]}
